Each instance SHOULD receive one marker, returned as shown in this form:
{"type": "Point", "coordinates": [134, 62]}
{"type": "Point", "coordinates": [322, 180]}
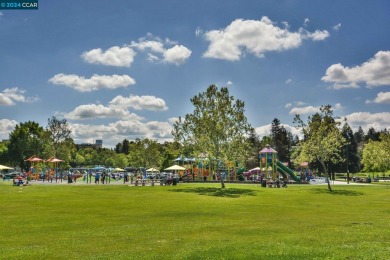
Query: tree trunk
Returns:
{"type": "Point", "coordinates": [221, 179]}
{"type": "Point", "coordinates": [326, 174]}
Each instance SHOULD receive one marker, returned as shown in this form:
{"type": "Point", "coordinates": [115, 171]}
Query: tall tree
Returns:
{"type": "Point", "coordinates": [59, 132]}
{"type": "Point", "coordinates": [253, 159]}
{"type": "Point", "coordinates": [27, 139]}
{"type": "Point", "coordinates": [144, 153]}
{"type": "Point", "coordinates": [376, 154]}
{"type": "Point", "coordinates": [217, 126]}
{"type": "Point", "coordinates": [126, 146]}
{"type": "Point", "coordinates": [323, 139]}
{"type": "Point", "coordinates": [372, 135]}
{"type": "Point", "coordinates": [351, 151]}
{"type": "Point", "coordinates": [280, 141]}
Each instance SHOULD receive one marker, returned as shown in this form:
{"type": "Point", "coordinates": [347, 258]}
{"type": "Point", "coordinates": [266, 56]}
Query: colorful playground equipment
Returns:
{"type": "Point", "coordinates": [272, 166]}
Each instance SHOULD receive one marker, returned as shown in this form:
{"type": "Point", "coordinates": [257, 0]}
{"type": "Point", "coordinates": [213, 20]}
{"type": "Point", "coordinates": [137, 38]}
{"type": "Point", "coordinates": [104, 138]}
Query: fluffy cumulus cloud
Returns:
{"type": "Point", "coordinates": [115, 132]}
{"type": "Point", "coordinates": [374, 72]}
{"type": "Point", "coordinates": [165, 51]}
{"type": "Point", "coordinates": [366, 120]}
{"type": "Point", "coordinates": [114, 56]}
{"type": "Point", "coordinates": [381, 98]}
{"type": "Point", "coordinates": [118, 107]}
{"type": "Point", "coordinates": [96, 82]}
{"type": "Point", "coordinates": [92, 111]}
{"type": "Point", "coordinates": [318, 35]}
{"type": "Point", "coordinates": [10, 96]}
{"type": "Point", "coordinates": [6, 127]}
{"type": "Point", "coordinates": [256, 37]}
{"type": "Point", "coordinates": [177, 55]}
{"type": "Point", "coordinates": [139, 102]}
{"type": "Point", "coordinates": [304, 110]}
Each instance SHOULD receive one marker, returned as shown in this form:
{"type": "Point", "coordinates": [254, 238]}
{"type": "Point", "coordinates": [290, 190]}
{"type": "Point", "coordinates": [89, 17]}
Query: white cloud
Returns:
{"type": "Point", "coordinates": [337, 27]}
{"type": "Point", "coordinates": [374, 72]}
{"type": "Point", "coordinates": [304, 110]}
{"type": "Point", "coordinates": [366, 120]}
{"type": "Point", "coordinates": [288, 81]}
{"type": "Point", "coordinates": [118, 108]}
{"type": "Point", "coordinates": [158, 50]}
{"type": "Point", "coordinates": [10, 96]}
{"type": "Point", "coordinates": [177, 55]}
{"type": "Point", "coordinates": [139, 102]}
{"type": "Point", "coordinates": [256, 37]}
{"type": "Point", "coordinates": [148, 45]}
{"type": "Point", "coordinates": [318, 35]}
{"type": "Point", "coordinates": [92, 111]}
{"type": "Point", "coordinates": [96, 82]}
{"type": "Point", "coordinates": [300, 109]}
{"type": "Point", "coordinates": [306, 21]}
{"type": "Point", "coordinates": [6, 127]}
{"type": "Point", "coordinates": [115, 132]}
{"type": "Point", "coordinates": [229, 83]}
{"type": "Point", "coordinates": [114, 56]}
{"type": "Point", "coordinates": [266, 130]}
{"type": "Point", "coordinates": [381, 98]}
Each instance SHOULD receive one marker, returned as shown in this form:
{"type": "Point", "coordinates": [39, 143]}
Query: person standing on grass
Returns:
{"type": "Point", "coordinates": [97, 177]}
{"type": "Point", "coordinates": [103, 177]}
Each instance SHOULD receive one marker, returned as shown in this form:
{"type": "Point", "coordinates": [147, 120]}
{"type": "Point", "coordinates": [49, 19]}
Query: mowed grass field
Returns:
{"type": "Point", "coordinates": [194, 221]}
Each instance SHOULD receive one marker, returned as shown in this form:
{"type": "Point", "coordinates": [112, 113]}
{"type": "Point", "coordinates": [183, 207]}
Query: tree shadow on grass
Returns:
{"type": "Point", "coordinates": [218, 192]}
{"type": "Point", "coordinates": [338, 192]}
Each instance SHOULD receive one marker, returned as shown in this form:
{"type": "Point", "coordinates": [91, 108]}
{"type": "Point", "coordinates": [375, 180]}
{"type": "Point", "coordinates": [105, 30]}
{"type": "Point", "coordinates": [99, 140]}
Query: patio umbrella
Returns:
{"type": "Point", "coordinates": [119, 169]}
{"type": "Point", "coordinates": [3, 167]}
{"type": "Point", "coordinates": [175, 168]}
{"type": "Point", "coordinates": [152, 170]}
{"type": "Point", "coordinates": [55, 162]}
{"type": "Point", "coordinates": [33, 159]}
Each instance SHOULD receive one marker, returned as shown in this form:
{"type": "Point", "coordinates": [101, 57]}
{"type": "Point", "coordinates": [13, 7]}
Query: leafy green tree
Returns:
{"type": "Point", "coordinates": [217, 126]}
{"type": "Point", "coordinates": [3, 153]}
{"type": "Point", "coordinates": [144, 153]}
{"type": "Point", "coordinates": [265, 140]}
{"type": "Point", "coordinates": [26, 140]}
{"type": "Point", "coordinates": [170, 151]}
{"type": "Point", "coordinates": [376, 154]}
{"type": "Point", "coordinates": [120, 160]}
{"type": "Point", "coordinates": [323, 139]}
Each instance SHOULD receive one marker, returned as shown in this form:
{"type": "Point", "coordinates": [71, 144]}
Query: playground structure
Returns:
{"type": "Point", "coordinates": [271, 166]}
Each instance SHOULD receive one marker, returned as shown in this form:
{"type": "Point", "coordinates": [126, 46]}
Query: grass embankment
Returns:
{"type": "Point", "coordinates": [194, 221]}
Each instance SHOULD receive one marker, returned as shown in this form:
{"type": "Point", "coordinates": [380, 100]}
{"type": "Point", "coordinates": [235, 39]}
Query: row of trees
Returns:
{"type": "Point", "coordinates": [217, 129]}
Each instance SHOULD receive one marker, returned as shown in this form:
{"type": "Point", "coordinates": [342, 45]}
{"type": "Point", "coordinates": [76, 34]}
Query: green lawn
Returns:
{"type": "Point", "coordinates": [194, 221]}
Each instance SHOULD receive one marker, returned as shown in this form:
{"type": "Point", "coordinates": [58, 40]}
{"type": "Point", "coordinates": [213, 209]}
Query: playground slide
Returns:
{"type": "Point", "coordinates": [285, 170]}
{"type": "Point", "coordinates": [283, 173]}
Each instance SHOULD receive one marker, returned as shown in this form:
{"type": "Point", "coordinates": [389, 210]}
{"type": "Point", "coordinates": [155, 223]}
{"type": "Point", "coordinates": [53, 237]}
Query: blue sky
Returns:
{"type": "Point", "coordinates": [119, 69]}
